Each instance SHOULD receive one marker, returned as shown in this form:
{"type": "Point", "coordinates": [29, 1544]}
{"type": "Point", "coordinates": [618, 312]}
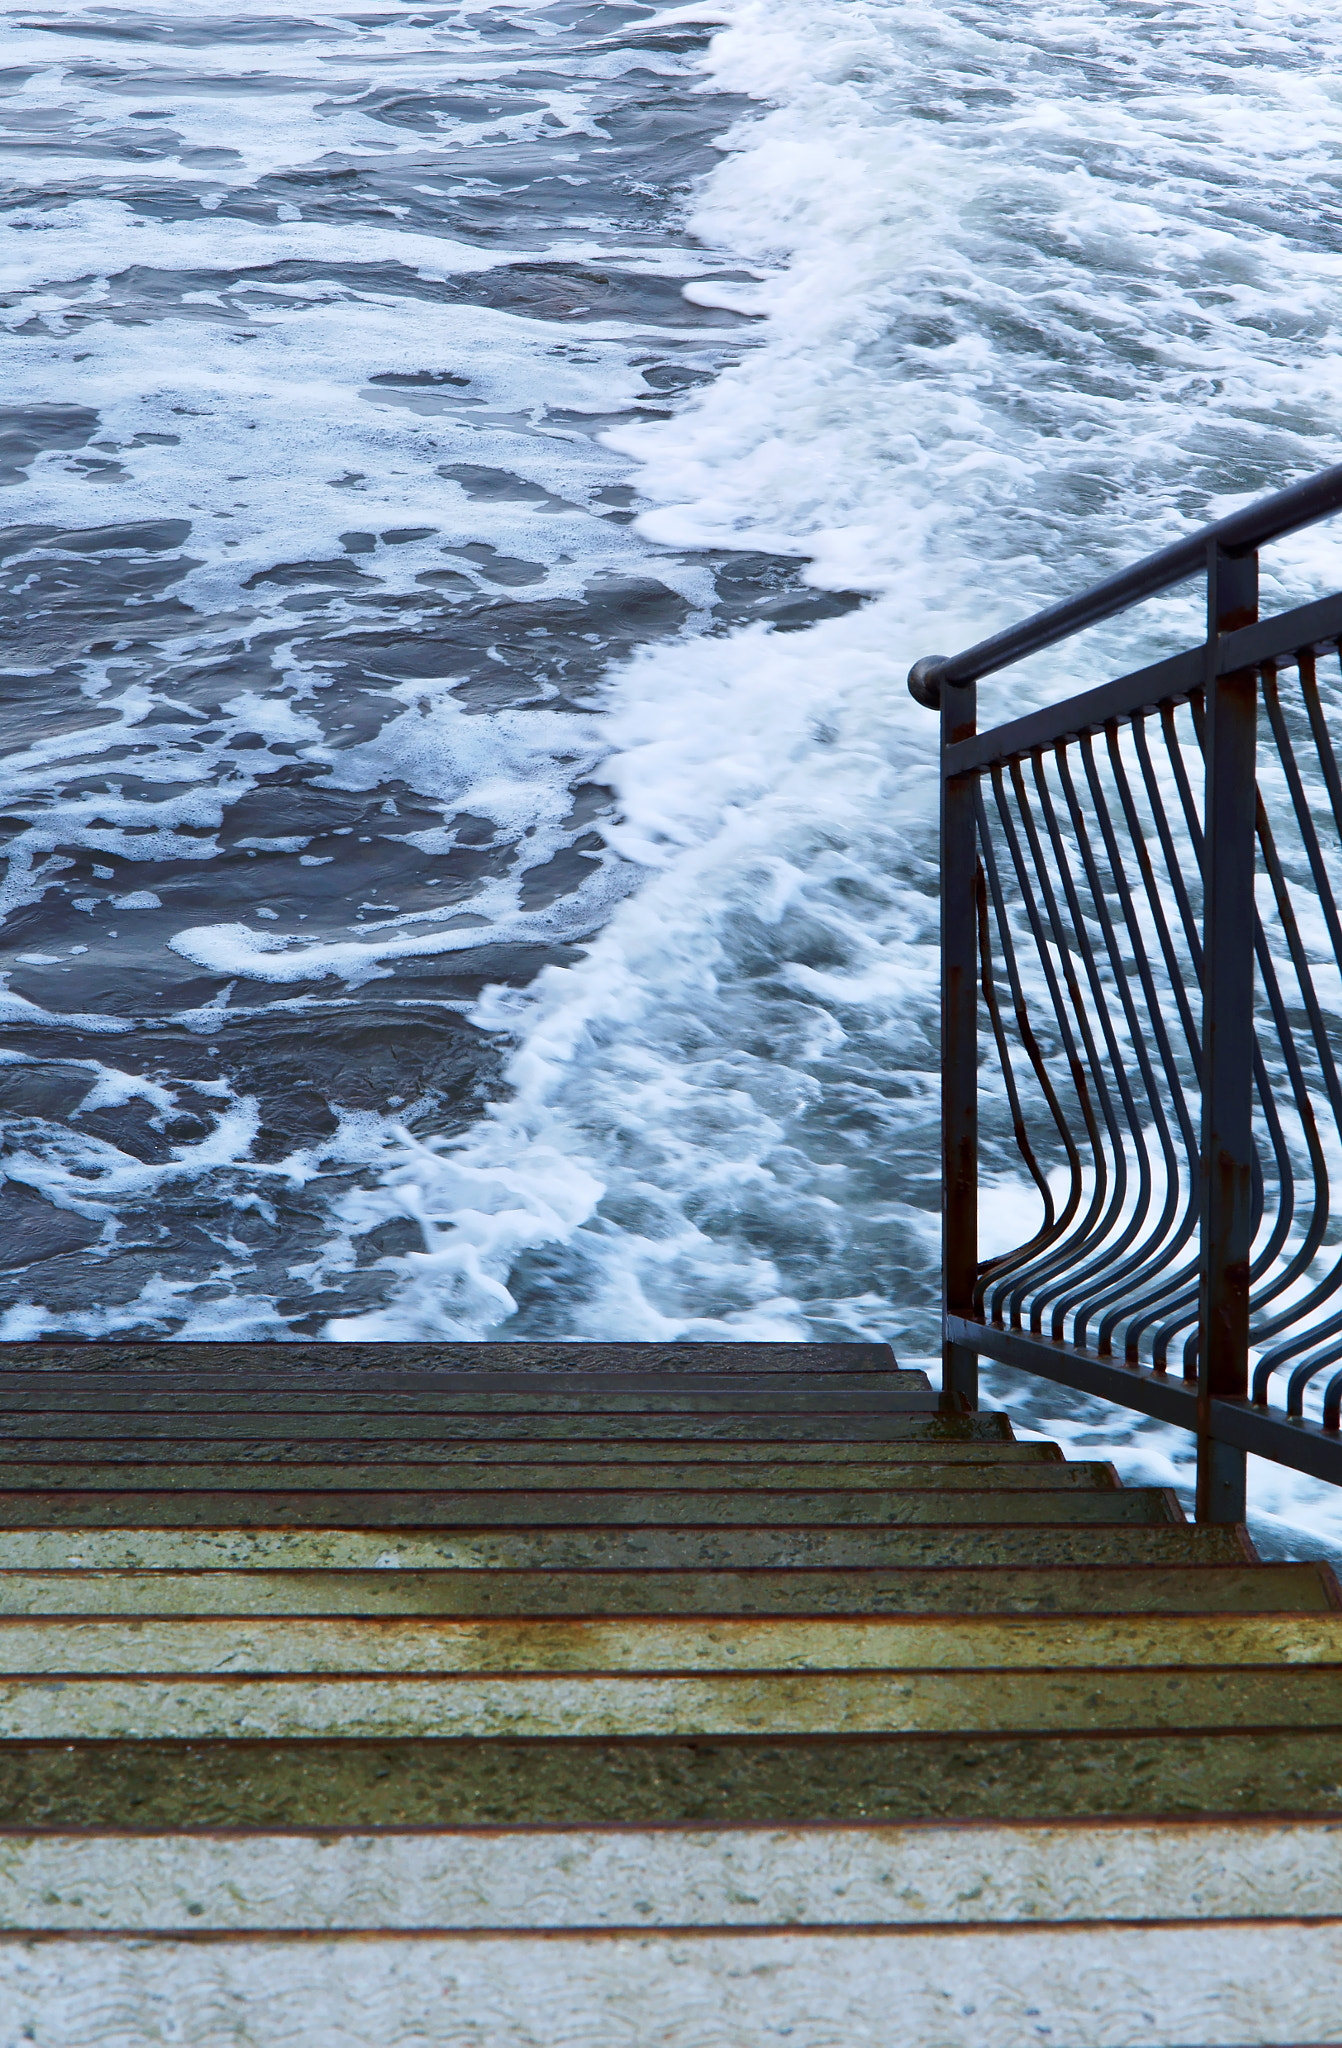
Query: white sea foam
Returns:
{"type": "Point", "coordinates": [1042, 291]}
{"type": "Point", "coordinates": [1034, 288]}
{"type": "Point", "coordinates": [292, 382]}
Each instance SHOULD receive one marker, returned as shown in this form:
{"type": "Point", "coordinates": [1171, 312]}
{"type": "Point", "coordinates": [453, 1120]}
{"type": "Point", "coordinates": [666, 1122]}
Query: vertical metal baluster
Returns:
{"type": "Point", "coordinates": [959, 1050]}
{"type": "Point", "coordinates": [1227, 1034]}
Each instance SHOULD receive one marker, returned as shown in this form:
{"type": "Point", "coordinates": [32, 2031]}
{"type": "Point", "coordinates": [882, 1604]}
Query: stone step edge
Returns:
{"type": "Point", "coordinates": [560, 1456]}
{"type": "Point", "coordinates": [940, 1593]}
{"type": "Point", "coordinates": [630, 1548]}
{"type": "Point", "coordinates": [481, 1510]}
{"type": "Point", "coordinates": [296, 1710]}
{"type": "Point", "coordinates": [627, 1878]}
{"type": "Point", "coordinates": [1270, 1983]}
{"type": "Point", "coordinates": [371, 1646]}
{"type": "Point", "coordinates": [906, 1424]}
{"type": "Point", "coordinates": [20, 1392]}
{"type": "Point", "coordinates": [910, 1874]}
{"type": "Point", "coordinates": [97, 1357]}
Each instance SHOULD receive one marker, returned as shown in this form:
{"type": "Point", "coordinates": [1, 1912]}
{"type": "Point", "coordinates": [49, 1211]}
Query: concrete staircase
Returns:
{"type": "Point", "coordinates": [699, 1697]}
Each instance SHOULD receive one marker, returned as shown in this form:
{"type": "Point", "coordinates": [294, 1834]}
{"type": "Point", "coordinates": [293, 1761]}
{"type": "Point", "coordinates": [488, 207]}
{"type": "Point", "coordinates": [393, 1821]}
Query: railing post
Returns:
{"type": "Point", "coordinates": [959, 1050]}
{"type": "Point", "coordinates": [1227, 1034]}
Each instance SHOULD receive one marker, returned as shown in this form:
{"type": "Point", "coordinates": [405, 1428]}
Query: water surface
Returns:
{"type": "Point", "coordinates": [476, 478]}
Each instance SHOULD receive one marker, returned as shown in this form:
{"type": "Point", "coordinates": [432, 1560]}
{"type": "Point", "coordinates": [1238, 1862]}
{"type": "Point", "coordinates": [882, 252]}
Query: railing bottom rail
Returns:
{"type": "Point", "coordinates": [1239, 1425]}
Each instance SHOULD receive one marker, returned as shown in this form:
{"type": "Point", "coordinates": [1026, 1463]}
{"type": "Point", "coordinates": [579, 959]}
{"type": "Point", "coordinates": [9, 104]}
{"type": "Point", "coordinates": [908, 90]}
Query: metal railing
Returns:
{"type": "Point", "coordinates": [1140, 902]}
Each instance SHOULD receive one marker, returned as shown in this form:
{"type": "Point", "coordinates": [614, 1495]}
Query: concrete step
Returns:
{"type": "Point", "coordinates": [562, 1705]}
{"type": "Point", "coordinates": [490, 1394]}
{"type": "Point", "coordinates": [1058, 1590]}
{"type": "Point", "coordinates": [763, 1425]}
{"type": "Point", "coordinates": [812, 1989]}
{"type": "Point", "coordinates": [178, 1548]}
{"type": "Point", "coordinates": [1269, 1984]}
{"type": "Point", "coordinates": [969, 1875]}
{"type": "Point", "coordinates": [372, 1388]}
{"type": "Point", "coordinates": [113, 1645]}
{"type": "Point", "coordinates": [654, 1481]}
{"type": "Point", "coordinates": [188, 1505]}
{"type": "Point", "coordinates": [811, 1460]}
{"type": "Point", "coordinates": [900, 1394]}
{"type": "Point", "coordinates": [659, 1781]}
{"type": "Point", "coordinates": [262, 1366]}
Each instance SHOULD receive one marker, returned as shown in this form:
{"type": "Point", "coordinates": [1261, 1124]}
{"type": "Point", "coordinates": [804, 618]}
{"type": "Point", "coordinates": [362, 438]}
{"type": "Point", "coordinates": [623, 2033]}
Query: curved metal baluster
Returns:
{"type": "Point", "coordinates": [1175, 1302]}
{"type": "Point", "coordinates": [1179, 1172]}
{"type": "Point", "coordinates": [1306, 1371]}
{"type": "Point", "coordinates": [1325, 1288]}
{"type": "Point", "coordinates": [1117, 1243]}
{"type": "Point", "coordinates": [1062, 1254]}
{"type": "Point", "coordinates": [1185, 1305]}
{"type": "Point", "coordinates": [1174, 869]}
{"type": "Point", "coordinates": [1267, 1098]}
{"type": "Point", "coordinates": [1159, 1235]}
{"type": "Point", "coordinates": [1110, 1242]}
{"type": "Point", "coordinates": [1178, 1304]}
{"type": "Point", "coordinates": [1303, 1256]}
{"type": "Point", "coordinates": [1176, 1285]}
{"type": "Point", "coordinates": [1322, 1350]}
{"type": "Point", "coordinates": [1193, 939]}
{"type": "Point", "coordinates": [1077, 1247]}
{"type": "Point", "coordinates": [1159, 1267]}
{"type": "Point", "coordinates": [1318, 725]}
{"type": "Point", "coordinates": [1049, 1228]}
{"type": "Point", "coordinates": [1001, 916]}
{"type": "Point", "coordinates": [1332, 1403]}
{"type": "Point", "coordinates": [1009, 1263]}
{"type": "Point", "coordinates": [1265, 1257]}
{"type": "Point", "coordinates": [1325, 1336]}
{"type": "Point", "coordinates": [1098, 1224]}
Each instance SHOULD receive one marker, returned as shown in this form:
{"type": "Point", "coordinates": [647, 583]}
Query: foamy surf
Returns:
{"type": "Point", "coordinates": [1023, 289]}
{"type": "Point", "coordinates": [955, 307]}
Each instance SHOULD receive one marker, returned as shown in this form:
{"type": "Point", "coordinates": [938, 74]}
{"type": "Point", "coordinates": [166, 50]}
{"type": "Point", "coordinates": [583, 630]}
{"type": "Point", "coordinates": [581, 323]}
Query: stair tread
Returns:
{"type": "Point", "coordinates": [885, 1425]}
{"type": "Point", "coordinates": [636, 1548]}
{"type": "Point", "coordinates": [972, 1873]}
{"type": "Point", "coordinates": [659, 1781]}
{"type": "Point", "coordinates": [448, 1477]}
{"type": "Point", "coordinates": [192, 1505]}
{"type": "Point", "coordinates": [460, 1393]}
{"type": "Point", "coordinates": [653, 1455]}
{"type": "Point", "coordinates": [267, 1364]}
{"type": "Point", "coordinates": [562, 1705]}
{"type": "Point", "coordinates": [369, 1645]}
{"type": "Point", "coordinates": [375, 1393]}
{"type": "Point", "coordinates": [1276, 1983]}
{"type": "Point", "coordinates": [1121, 1589]}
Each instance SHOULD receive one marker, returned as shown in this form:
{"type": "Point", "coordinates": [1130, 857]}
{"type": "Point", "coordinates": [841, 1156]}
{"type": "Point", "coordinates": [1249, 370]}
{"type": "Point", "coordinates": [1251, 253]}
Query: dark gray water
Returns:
{"type": "Point", "coordinates": [471, 858]}
{"type": "Point", "coordinates": [316, 570]}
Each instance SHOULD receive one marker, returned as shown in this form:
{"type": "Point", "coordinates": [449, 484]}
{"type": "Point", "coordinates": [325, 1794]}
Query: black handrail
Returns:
{"type": "Point", "coordinates": [1107, 861]}
{"type": "Point", "coordinates": [1267, 519]}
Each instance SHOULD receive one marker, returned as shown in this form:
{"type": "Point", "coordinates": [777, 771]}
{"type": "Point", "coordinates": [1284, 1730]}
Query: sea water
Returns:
{"type": "Point", "coordinates": [476, 478]}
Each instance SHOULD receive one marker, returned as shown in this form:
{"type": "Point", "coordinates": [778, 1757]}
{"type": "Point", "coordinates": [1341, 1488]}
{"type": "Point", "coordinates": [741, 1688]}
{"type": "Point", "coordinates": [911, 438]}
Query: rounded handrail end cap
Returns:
{"type": "Point", "coordinates": [923, 685]}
